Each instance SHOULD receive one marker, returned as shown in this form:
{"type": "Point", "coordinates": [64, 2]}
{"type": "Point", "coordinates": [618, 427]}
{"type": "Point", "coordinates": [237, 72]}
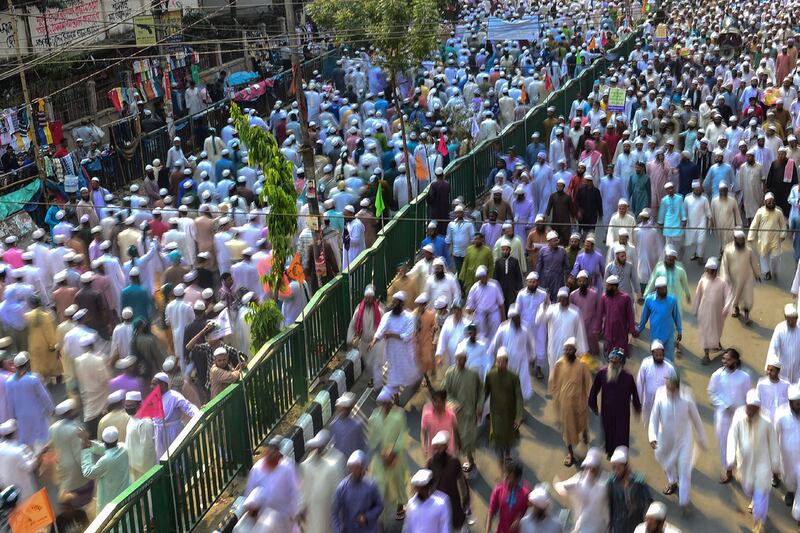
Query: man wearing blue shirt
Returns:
{"type": "Point", "coordinates": [661, 309]}
{"type": "Point", "coordinates": [672, 217]}
{"type": "Point", "coordinates": [719, 172]}
{"type": "Point", "coordinates": [459, 237]}
{"type": "Point", "coordinates": [440, 248]}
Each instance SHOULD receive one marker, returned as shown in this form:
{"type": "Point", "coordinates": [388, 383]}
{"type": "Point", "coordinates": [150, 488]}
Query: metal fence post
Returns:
{"type": "Point", "coordinates": [299, 370]}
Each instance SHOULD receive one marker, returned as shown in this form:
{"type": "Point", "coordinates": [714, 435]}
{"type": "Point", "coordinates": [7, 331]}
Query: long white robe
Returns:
{"type": "Point", "coordinates": [485, 301]}
{"type": "Point", "coordinates": [115, 275]}
{"type": "Point", "coordinates": [450, 336]}
{"type": "Point", "coordinates": [671, 425]}
{"type": "Point", "coordinates": [649, 245]}
{"type": "Point", "coordinates": [400, 352]}
{"type": "Point", "coordinates": [41, 255]}
{"type": "Point", "coordinates": [562, 323]}
{"type": "Point", "coordinates": [753, 449]}
{"type": "Point", "coordinates": [519, 344]}
{"type": "Point", "coordinates": [280, 486]}
{"type": "Point", "coordinates": [787, 428]}
{"type": "Point", "coordinates": [589, 501]}
{"type": "Point", "coordinates": [357, 233]}
{"type": "Point", "coordinates": [319, 478]}
{"type": "Point", "coordinates": [785, 345]}
{"type": "Point", "coordinates": [650, 378]}
{"type": "Point", "coordinates": [373, 358]}
{"type": "Point", "coordinates": [188, 228]}
{"type": "Point", "coordinates": [528, 304]}
{"type": "Point", "coordinates": [93, 376]}
{"type": "Point", "coordinates": [698, 214]}
{"type": "Point", "coordinates": [121, 339]}
{"type": "Point", "coordinates": [179, 314]}
{"type": "Point", "coordinates": [168, 428]}
{"type": "Point", "coordinates": [772, 396]}
{"type": "Point", "coordinates": [245, 274]}
{"type": "Point", "coordinates": [17, 467]}
{"type": "Point", "coordinates": [141, 444]}
{"type": "Point", "coordinates": [727, 392]}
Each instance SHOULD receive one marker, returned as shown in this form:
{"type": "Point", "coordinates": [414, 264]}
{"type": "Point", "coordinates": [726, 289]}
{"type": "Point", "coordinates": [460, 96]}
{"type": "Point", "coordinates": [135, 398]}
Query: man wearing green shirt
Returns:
{"type": "Point", "coordinates": [110, 472]}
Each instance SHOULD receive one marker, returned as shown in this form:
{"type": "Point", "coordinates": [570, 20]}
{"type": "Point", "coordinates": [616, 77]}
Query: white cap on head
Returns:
{"type": "Point", "coordinates": [169, 364]}
{"type": "Point", "coordinates": [620, 456]}
{"type": "Point", "coordinates": [21, 359]}
{"type": "Point", "coordinates": [110, 435]}
{"type": "Point", "coordinates": [532, 276]}
{"type": "Point", "coordinates": [613, 279]}
{"type": "Point", "coordinates": [752, 398]}
{"type": "Point", "coordinates": [739, 234]}
{"type": "Point", "coordinates": [65, 407]}
{"type": "Point", "coordinates": [563, 292]}
{"type": "Point", "coordinates": [512, 310]}
{"type": "Point", "coordinates": [661, 281]}
{"type": "Point", "coordinates": [538, 497]}
{"type": "Point", "coordinates": [593, 456]}
{"type": "Point", "coordinates": [656, 511]}
{"type": "Point", "coordinates": [422, 478]}
{"type": "Point", "coordinates": [656, 345]}
{"type": "Point", "coordinates": [502, 353]}
{"type": "Point", "coordinates": [790, 311]}
{"type": "Point", "coordinates": [772, 360]}
{"type": "Point", "coordinates": [481, 271]}
{"type": "Point", "coordinates": [712, 263]}
{"type": "Point", "coordinates": [320, 440]}
{"type": "Point", "coordinates": [570, 342]}
{"type": "Point", "coordinates": [133, 396]}
{"type": "Point", "coordinates": [127, 313]}
{"type": "Point", "coordinates": [400, 296]}
{"type": "Point", "coordinates": [347, 400]}
{"type": "Point", "coordinates": [162, 377]}
{"type": "Point", "coordinates": [582, 274]}
{"type": "Point", "coordinates": [442, 438]}
{"type": "Point", "coordinates": [116, 396]}
{"type": "Point", "coordinates": [125, 362]}
{"type": "Point", "coordinates": [551, 235]}
{"type": "Point", "coordinates": [794, 392]}
{"type": "Point", "coordinates": [357, 458]}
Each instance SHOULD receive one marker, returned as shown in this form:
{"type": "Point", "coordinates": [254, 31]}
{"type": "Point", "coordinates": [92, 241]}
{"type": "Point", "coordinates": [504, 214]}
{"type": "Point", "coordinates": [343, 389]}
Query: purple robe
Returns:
{"type": "Point", "coordinates": [617, 321]}
{"type": "Point", "coordinates": [589, 306]}
{"type": "Point", "coordinates": [491, 233]}
{"type": "Point", "coordinates": [615, 407]}
{"type": "Point", "coordinates": [594, 264]}
{"type": "Point", "coordinates": [30, 403]}
{"type": "Point", "coordinates": [551, 266]}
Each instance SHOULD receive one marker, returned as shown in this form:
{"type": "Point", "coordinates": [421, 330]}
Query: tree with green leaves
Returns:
{"type": "Point", "coordinates": [403, 33]}
{"type": "Point", "coordinates": [280, 196]}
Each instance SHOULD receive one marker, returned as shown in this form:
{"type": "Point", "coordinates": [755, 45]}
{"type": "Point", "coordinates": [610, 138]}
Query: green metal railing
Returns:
{"type": "Point", "coordinates": [217, 446]}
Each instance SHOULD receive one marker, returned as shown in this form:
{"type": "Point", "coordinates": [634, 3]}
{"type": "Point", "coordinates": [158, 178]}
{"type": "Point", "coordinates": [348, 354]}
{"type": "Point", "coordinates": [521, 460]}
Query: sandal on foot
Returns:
{"type": "Point", "coordinates": [569, 460]}
{"type": "Point", "coordinates": [670, 489]}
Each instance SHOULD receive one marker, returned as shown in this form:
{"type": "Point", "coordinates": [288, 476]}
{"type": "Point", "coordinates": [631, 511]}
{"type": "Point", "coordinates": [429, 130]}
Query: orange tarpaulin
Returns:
{"type": "Point", "coordinates": [33, 515]}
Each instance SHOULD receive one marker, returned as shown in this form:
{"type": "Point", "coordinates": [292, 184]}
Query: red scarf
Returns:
{"type": "Point", "coordinates": [376, 316]}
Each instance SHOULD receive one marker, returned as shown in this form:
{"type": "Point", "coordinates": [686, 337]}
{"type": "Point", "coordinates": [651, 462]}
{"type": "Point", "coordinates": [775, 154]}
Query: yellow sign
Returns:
{"type": "Point", "coordinates": [661, 33]}
{"type": "Point", "coordinates": [144, 29]}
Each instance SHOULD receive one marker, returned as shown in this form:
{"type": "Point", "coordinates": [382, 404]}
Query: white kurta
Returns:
{"type": "Point", "coordinates": [589, 501]}
{"type": "Point", "coordinates": [698, 213]}
{"type": "Point", "coordinates": [772, 395]}
{"type": "Point", "coordinates": [357, 244]}
{"type": "Point", "coordinates": [753, 450]}
{"type": "Point", "coordinates": [319, 478]}
{"type": "Point", "coordinates": [115, 275]}
{"type": "Point", "coordinates": [373, 358]}
{"type": "Point", "coordinates": [17, 467]}
{"type": "Point", "coordinates": [649, 245]}
{"type": "Point", "coordinates": [400, 352]}
{"type": "Point", "coordinates": [671, 425]}
{"type": "Point", "coordinates": [447, 288]}
{"type": "Point", "coordinates": [245, 274]}
{"type": "Point", "coordinates": [280, 486]}
{"type": "Point", "coordinates": [785, 345]}
{"type": "Point", "coordinates": [651, 377]}
{"type": "Point", "coordinates": [562, 323]}
{"type": "Point", "coordinates": [141, 444]}
{"type": "Point", "coordinates": [528, 304]}
{"type": "Point", "coordinates": [179, 314]}
{"type": "Point", "coordinates": [121, 339]}
{"type": "Point", "coordinates": [450, 336]}
{"type": "Point", "coordinates": [93, 376]}
{"type": "Point", "coordinates": [429, 516]}
{"type": "Point", "coordinates": [727, 392]}
{"type": "Point", "coordinates": [519, 344]}
{"type": "Point", "coordinates": [168, 428]}
{"type": "Point", "coordinates": [787, 428]}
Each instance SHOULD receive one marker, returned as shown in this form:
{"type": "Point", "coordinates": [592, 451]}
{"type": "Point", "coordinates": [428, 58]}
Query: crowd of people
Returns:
{"type": "Point", "coordinates": [124, 298]}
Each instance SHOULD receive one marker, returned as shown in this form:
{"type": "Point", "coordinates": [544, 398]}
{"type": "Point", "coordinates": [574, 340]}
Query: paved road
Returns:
{"type": "Point", "coordinates": [718, 508]}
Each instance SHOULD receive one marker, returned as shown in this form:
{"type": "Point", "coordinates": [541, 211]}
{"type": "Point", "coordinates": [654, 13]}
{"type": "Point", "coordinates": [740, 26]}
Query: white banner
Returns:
{"type": "Point", "coordinates": [524, 29]}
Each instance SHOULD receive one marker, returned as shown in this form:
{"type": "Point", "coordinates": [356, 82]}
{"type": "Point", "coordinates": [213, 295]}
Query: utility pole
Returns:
{"type": "Point", "coordinates": [31, 116]}
{"type": "Point", "coordinates": [161, 34]}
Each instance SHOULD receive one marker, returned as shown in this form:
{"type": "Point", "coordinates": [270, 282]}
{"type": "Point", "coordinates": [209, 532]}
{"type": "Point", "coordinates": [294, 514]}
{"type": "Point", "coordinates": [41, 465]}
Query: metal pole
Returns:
{"type": "Point", "coordinates": [31, 116]}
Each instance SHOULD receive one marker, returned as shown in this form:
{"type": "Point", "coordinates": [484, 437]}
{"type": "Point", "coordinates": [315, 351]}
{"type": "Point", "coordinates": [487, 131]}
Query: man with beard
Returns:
{"type": "Point", "coordinates": [448, 479]}
{"type": "Point", "coordinates": [353, 237]}
{"type": "Point", "coordinates": [671, 270]}
{"type": "Point", "coordinates": [750, 177]}
{"type": "Point", "coordinates": [552, 266]}
{"type": "Point", "coordinates": [711, 305]}
{"type": "Point", "coordinates": [572, 250]}
{"type": "Point", "coordinates": [616, 319]}
{"type": "Point", "coordinates": [570, 383]}
{"type": "Point", "coordinates": [398, 329]}
{"type": "Point", "coordinates": [785, 344]}
{"type": "Point", "coordinates": [528, 302]}
{"type": "Point", "coordinates": [518, 343]}
{"type": "Point", "coordinates": [639, 190]}
{"type": "Point", "coordinates": [619, 221]}
{"type": "Point", "coordinates": [587, 493]}
{"type": "Point", "coordinates": [618, 389]}
{"type": "Point", "coordinates": [361, 331]}
{"type": "Point", "coordinates": [592, 262]}
{"type": "Point", "coordinates": [653, 372]}
{"type": "Point", "coordinates": [357, 503]}
{"type": "Point", "coordinates": [628, 495]}
{"type": "Point", "coordinates": [464, 387]}
{"type": "Point", "coordinates": [673, 429]}
{"type": "Point", "coordinates": [538, 518]}
{"type": "Point", "coordinates": [787, 428]}
{"type": "Point", "coordinates": [781, 176]}
{"type": "Point", "coordinates": [507, 273]}
{"type": "Point", "coordinates": [403, 282]}
{"type": "Point", "coordinates": [139, 437]}
{"type": "Point", "coordinates": [587, 300]}
{"type": "Point", "coordinates": [442, 284]}
{"type": "Point", "coordinates": [485, 300]}
{"type": "Point", "coordinates": [661, 309]}
{"type": "Point", "coordinates": [768, 230]}
{"type": "Point", "coordinates": [478, 254]}
{"type": "Point", "coordinates": [320, 475]}
{"type": "Point", "coordinates": [740, 268]}
{"type": "Point", "coordinates": [589, 204]}
{"type": "Point", "coordinates": [561, 211]}
{"type": "Point", "coordinates": [517, 246]}
{"type": "Point", "coordinates": [505, 406]}
{"type": "Point", "coordinates": [428, 508]}
{"type": "Point", "coordinates": [727, 390]}
{"type": "Point", "coordinates": [535, 240]}
{"type": "Point", "coordinates": [562, 321]}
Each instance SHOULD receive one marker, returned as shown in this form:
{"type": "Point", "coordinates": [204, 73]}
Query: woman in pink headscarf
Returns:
{"type": "Point", "coordinates": [592, 160]}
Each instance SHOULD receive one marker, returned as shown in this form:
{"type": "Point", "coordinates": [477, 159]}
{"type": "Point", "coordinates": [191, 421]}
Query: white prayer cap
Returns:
{"type": "Point", "coordinates": [134, 272]}
{"type": "Point", "coordinates": [432, 225]}
{"type": "Point", "coordinates": [669, 185]}
{"type": "Point", "coordinates": [385, 395]}
{"type": "Point", "coordinates": [438, 262]}
{"type": "Point", "coordinates": [399, 295]}
{"type": "Point", "coordinates": [199, 305]}
{"type": "Point", "coordinates": [790, 311]}
{"type": "Point", "coordinates": [570, 342]}
{"type": "Point", "coordinates": [507, 224]}
{"type": "Point", "coordinates": [772, 360]}
{"type": "Point", "coordinates": [497, 189]}
{"type": "Point", "coordinates": [8, 427]}
{"type": "Point", "coordinates": [794, 392]}
{"type": "Point", "coordinates": [21, 359]}
{"type": "Point", "coordinates": [179, 289]}
{"type": "Point", "coordinates": [695, 183]}
{"type": "Point", "coordinates": [539, 218]}
{"type": "Point", "coordinates": [752, 398]}
{"type": "Point", "coordinates": [645, 213]}
{"type": "Point", "coordinates": [348, 399]}
{"type": "Point", "coordinates": [133, 396]}
{"type": "Point", "coordinates": [422, 478]}
{"type": "Point", "coordinates": [357, 458]}
{"type": "Point", "coordinates": [88, 339]}
{"type": "Point", "coordinates": [712, 263]}
{"type": "Point", "coordinates": [590, 239]}
{"type": "Point", "coordinates": [538, 497]}
{"type": "Point", "coordinates": [613, 279]}
{"type": "Point", "coordinates": [38, 234]}
{"type": "Point", "coordinates": [656, 511]}
{"type": "Point", "coordinates": [190, 276]}
{"type": "Point", "coordinates": [723, 184]}
{"type": "Point", "coordinates": [519, 190]}
{"type": "Point", "coordinates": [110, 435]}
{"type": "Point", "coordinates": [105, 245]}
{"type": "Point", "coordinates": [87, 277]}
{"type": "Point", "coordinates": [481, 271]}
{"type": "Point", "coordinates": [769, 196]}
{"type": "Point", "coordinates": [583, 274]}
{"type": "Point", "coordinates": [369, 290]}
{"type": "Point", "coordinates": [65, 407]}
{"type": "Point", "coordinates": [320, 440]}
{"type": "Point", "coordinates": [502, 353]}
{"type": "Point", "coordinates": [669, 251]}
{"type": "Point", "coordinates": [248, 297]}
{"type": "Point", "coordinates": [738, 234]}
{"type": "Point", "coordinates": [162, 377]}
{"type": "Point", "coordinates": [512, 310]}
{"type": "Point", "coordinates": [440, 303]}
{"type": "Point", "coordinates": [80, 313]}
{"type": "Point", "coordinates": [428, 248]}
{"type": "Point", "coordinates": [620, 456]}
{"type": "Point", "coordinates": [441, 439]}
{"type": "Point", "coordinates": [551, 235]}
{"type": "Point", "coordinates": [620, 248]}
{"type": "Point", "coordinates": [207, 294]}
{"type": "Point", "coordinates": [71, 310]}
{"type": "Point", "coordinates": [656, 345]}
{"type": "Point", "coordinates": [116, 396]}
{"type": "Point", "coordinates": [563, 291]}
{"type": "Point", "coordinates": [349, 209]}
{"type": "Point", "coordinates": [125, 362]}
{"type": "Point", "coordinates": [60, 276]}
{"type": "Point", "coordinates": [532, 276]}
{"type": "Point", "coordinates": [127, 313]}
{"type": "Point", "coordinates": [661, 281]}
{"type": "Point", "coordinates": [592, 458]}
{"type": "Point", "coordinates": [60, 215]}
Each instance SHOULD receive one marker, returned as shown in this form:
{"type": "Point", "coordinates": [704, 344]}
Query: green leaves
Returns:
{"type": "Point", "coordinates": [281, 198]}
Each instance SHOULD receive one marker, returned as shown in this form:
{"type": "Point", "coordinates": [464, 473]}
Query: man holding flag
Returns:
{"type": "Point", "coordinates": [165, 407]}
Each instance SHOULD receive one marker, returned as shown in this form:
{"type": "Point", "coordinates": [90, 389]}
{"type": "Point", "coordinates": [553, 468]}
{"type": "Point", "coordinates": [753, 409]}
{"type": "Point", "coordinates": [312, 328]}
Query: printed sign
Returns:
{"type": "Point", "coordinates": [616, 100]}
